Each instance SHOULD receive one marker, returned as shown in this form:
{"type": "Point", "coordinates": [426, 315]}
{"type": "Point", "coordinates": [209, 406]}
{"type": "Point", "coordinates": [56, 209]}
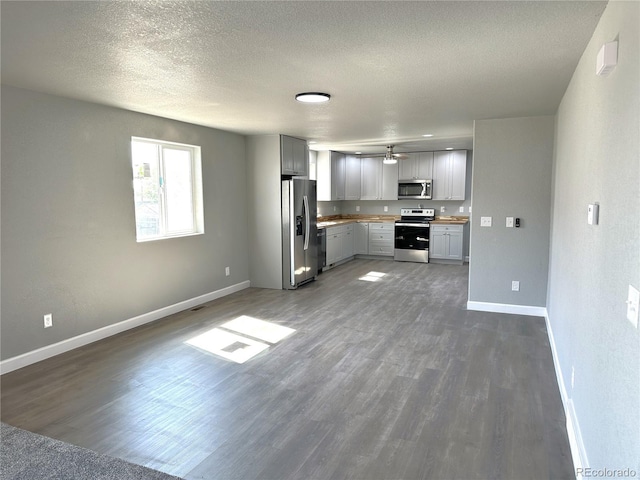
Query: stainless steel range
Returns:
{"type": "Point", "coordinates": [412, 234]}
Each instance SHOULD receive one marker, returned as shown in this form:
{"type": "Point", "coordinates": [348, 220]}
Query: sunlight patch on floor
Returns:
{"type": "Point", "coordinates": [225, 342]}
{"type": "Point", "coordinates": [260, 329]}
{"type": "Point", "coordinates": [372, 277]}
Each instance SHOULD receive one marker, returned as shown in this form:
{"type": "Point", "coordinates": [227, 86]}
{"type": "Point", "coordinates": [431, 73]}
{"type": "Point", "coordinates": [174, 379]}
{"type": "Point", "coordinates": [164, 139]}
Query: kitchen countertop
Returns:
{"type": "Point", "coordinates": [335, 220]}
{"type": "Point", "coordinates": [450, 220]}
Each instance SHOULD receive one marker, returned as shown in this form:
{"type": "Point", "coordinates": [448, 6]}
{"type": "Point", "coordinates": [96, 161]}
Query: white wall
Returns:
{"type": "Point", "coordinates": [511, 177]}
{"type": "Point", "coordinates": [597, 159]}
{"type": "Point", "coordinates": [68, 229]}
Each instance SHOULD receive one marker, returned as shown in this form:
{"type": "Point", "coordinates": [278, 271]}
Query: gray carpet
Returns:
{"type": "Point", "coordinates": [28, 456]}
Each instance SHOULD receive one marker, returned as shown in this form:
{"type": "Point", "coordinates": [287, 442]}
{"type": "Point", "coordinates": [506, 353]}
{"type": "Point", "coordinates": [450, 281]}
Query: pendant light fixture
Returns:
{"type": "Point", "coordinates": [313, 97]}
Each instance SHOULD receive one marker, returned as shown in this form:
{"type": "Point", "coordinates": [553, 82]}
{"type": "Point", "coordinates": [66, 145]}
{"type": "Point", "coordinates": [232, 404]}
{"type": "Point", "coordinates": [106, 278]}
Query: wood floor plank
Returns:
{"type": "Point", "coordinates": [392, 379]}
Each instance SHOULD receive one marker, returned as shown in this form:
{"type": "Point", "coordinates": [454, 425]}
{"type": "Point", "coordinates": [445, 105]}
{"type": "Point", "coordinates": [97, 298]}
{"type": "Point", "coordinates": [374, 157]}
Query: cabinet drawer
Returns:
{"type": "Point", "coordinates": [379, 248]}
{"type": "Point", "coordinates": [382, 226]}
{"type": "Point", "coordinates": [446, 228]}
{"type": "Point", "coordinates": [381, 236]}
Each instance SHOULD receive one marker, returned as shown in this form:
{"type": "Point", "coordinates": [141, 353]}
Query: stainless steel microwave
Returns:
{"type": "Point", "coordinates": [420, 189]}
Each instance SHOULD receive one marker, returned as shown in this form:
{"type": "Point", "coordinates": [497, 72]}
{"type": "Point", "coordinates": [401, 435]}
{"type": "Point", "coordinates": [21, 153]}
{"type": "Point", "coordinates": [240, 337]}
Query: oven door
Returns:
{"type": "Point", "coordinates": [411, 242]}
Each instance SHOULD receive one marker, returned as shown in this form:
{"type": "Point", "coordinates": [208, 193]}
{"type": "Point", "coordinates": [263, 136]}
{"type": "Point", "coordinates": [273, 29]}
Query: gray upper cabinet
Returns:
{"type": "Point", "coordinates": [330, 175]}
{"type": "Point", "coordinates": [371, 188]}
{"type": "Point", "coordinates": [417, 166]}
{"type": "Point", "coordinates": [338, 176]}
{"type": "Point", "coordinates": [449, 175]}
{"type": "Point", "coordinates": [379, 180]}
{"type": "Point", "coordinates": [294, 155]}
{"type": "Point", "coordinates": [389, 182]}
{"type": "Point", "coordinates": [353, 172]}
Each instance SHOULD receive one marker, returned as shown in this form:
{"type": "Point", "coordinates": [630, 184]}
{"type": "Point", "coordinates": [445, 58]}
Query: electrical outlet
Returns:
{"type": "Point", "coordinates": [443, 209]}
{"type": "Point", "coordinates": [48, 320]}
{"type": "Point", "coordinates": [386, 208]}
{"type": "Point", "coordinates": [227, 271]}
{"type": "Point", "coordinates": [515, 286]}
{"type": "Point", "coordinates": [485, 221]}
{"type": "Point", "coordinates": [461, 210]}
{"type": "Point", "coordinates": [357, 208]}
{"type": "Point", "coordinates": [335, 209]}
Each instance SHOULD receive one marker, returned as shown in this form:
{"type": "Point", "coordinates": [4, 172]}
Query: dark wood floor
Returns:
{"type": "Point", "coordinates": [381, 380]}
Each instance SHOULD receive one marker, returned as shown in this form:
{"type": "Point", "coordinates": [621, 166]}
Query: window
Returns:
{"type": "Point", "coordinates": [167, 187]}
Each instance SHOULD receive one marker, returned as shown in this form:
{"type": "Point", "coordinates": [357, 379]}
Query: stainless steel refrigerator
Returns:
{"type": "Point", "coordinates": [299, 235]}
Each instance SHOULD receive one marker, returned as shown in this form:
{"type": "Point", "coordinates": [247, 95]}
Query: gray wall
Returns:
{"type": "Point", "coordinates": [68, 230]}
{"type": "Point", "coordinates": [511, 177]}
{"type": "Point", "coordinates": [598, 160]}
{"type": "Point", "coordinates": [264, 210]}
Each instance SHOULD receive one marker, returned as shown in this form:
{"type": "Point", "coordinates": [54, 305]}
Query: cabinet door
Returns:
{"type": "Point", "coordinates": [338, 172]}
{"type": "Point", "coordinates": [458, 165]}
{"type": "Point", "coordinates": [389, 181]}
{"type": "Point", "coordinates": [300, 157]}
{"type": "Point", "coordinates": [334, 247]}
{"type": "Point", "coordinates": [353, 174]}
{"type": "Point", "coordinates": [347, 242]}
{"type": "Point", "coordinates": [454, 240]}
{"type": "Point", "coordinates": [425, 166]}
{"type": "Point", "coordinates": [408, 167]}
{"type": "Point", "coordinates": [286, 155]}
{"type": "Point", "coordinates": [441, 177]}
{"type": "Point", "coordinates": [371, 179]}
{"type": "Point", "coordinates": [361, 240]}
{"type": "Point", "coordinates": [437, 245]}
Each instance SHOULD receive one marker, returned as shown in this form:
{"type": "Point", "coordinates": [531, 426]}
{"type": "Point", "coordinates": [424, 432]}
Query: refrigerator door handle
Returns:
{"type": "Point", "coordinates": [292, 237]}
{"type": "Point", "coordinates": [306, 222]}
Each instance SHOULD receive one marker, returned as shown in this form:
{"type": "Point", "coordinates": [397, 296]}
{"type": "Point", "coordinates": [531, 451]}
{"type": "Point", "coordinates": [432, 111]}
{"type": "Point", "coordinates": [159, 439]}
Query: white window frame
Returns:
{"type": "Point", "coordinates": [196, 190]}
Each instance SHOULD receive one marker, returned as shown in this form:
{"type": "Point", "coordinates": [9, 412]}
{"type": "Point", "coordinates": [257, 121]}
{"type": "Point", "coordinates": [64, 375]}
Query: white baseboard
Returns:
{"type": "Point", "coordinates": [43, 353]}
{"type": "Point", "coordinates": [506, 308]}
{"type": "Point", "coordinates": [578, 452]}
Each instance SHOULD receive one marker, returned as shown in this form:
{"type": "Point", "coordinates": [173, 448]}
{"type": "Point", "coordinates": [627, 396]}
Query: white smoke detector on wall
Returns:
{"type": "Point", "coordinates": [607, 59]}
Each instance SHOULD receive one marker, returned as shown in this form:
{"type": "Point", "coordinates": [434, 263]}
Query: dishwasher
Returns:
{"type": "Point", "coordinates": [322, 249]}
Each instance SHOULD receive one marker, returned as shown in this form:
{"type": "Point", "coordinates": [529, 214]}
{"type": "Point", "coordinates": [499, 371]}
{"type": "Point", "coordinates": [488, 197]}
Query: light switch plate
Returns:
{"type": "Point", "coordinates": [633, 302]}
{"type": "Point", "coordinates": [509, 222]}
{"type": "Point", "coordinates": [461, 209]}
{"type": "Point", "coordinates": [485, 221]}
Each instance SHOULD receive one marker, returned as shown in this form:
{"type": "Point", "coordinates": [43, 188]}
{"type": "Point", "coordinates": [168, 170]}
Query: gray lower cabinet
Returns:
{"type": "Point", "coordinates": [361, 239]}
{"type": "Point", "coordinates": [381, 238]}
{"type": "Point", "coordinates": [446, 244]}
{"type": "Point", "coordinates": [347, 241]}
{"type": "Point", "coordinates": [340, 243]}
{"type": "Point", "coordinates": [334, 245]}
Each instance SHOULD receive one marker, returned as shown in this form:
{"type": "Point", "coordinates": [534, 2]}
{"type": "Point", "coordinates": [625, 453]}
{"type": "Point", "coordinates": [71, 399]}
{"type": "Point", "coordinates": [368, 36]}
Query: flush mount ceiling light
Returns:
{"type": "Point", "coordinates": [313, 97]}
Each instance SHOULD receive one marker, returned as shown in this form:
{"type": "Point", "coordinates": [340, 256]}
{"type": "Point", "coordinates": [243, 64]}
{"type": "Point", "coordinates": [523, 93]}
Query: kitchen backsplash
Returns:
{"type": "Point", "coordinates": [374, 207]}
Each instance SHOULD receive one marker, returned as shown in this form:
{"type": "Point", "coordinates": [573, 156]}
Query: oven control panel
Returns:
{"type": "Point", "coordinates": [418, 212]}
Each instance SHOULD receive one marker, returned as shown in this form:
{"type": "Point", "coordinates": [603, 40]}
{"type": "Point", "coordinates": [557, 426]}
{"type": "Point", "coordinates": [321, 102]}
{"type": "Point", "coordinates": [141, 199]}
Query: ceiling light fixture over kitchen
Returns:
{"type": "Point", "coordinates": [313, 97]}
{"type": "Point", "coordinates": [389, 159]}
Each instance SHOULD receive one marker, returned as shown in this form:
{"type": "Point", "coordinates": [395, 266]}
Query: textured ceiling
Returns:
{"type": "Point", "coordinates": [395, 70]}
